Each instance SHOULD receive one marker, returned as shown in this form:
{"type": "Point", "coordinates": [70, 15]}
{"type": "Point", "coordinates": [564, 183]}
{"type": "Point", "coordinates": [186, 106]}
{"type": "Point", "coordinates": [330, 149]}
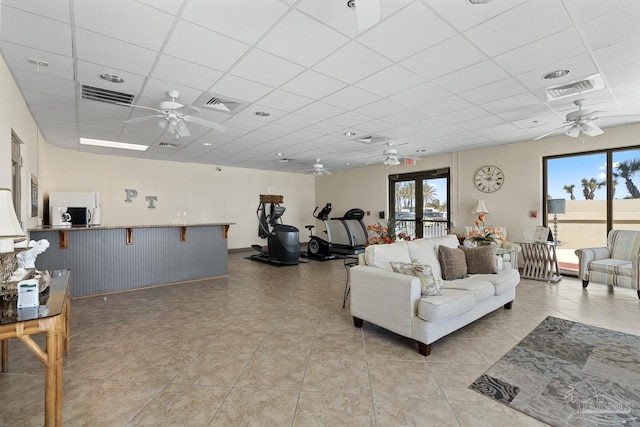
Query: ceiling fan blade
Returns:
{"type": "Point", "coordinates": [368, 13]}
{"type": "Point", "coordinates": [629, 118]}
{"type": "Point", "coordinates": [590, 129]}
{"type": "Point", "coordinates": [573, 131]}
{"type": "Point", "coordinates": [138, 106]}
{"type": "Point", "coordinates": [550, 132]}
{"type": "Point", "coordinates": [182, 129]}
{"type": "Point", "coordinates": [326, 172]}
{"type": "Point", "coordinates": [141, 119]}
{"type": "Point", "coordinates": [205, 123]}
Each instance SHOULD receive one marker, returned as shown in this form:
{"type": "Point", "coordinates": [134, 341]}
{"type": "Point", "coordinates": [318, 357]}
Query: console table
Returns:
{"type": "Point", "coordinates": [540, 261]}
{"type": "Point", "coordinates": [51, 318]}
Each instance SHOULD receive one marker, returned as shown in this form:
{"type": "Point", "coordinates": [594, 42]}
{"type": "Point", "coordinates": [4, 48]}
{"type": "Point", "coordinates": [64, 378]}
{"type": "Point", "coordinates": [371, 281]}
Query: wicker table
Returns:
{"type": "Point", "coordinates": [22, 323]}
{"type": "Point", "coordinates": [540, 261]}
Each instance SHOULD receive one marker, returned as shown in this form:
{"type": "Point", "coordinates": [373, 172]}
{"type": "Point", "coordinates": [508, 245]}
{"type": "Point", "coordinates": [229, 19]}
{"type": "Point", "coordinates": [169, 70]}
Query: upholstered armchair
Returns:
{"type": "Point", "coordinates": [616, 264]}
{"type": "Point", "coordinates": [499, 237]}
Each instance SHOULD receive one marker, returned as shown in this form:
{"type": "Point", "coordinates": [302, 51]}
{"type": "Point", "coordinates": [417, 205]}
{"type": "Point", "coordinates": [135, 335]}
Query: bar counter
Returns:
{"type": "Point", "coordinates": [107, 259]}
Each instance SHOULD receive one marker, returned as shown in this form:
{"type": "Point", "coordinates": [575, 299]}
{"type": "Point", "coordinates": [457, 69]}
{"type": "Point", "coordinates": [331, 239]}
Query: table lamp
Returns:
{"type": "Point", "coordinates": [555, 207]}
{"type": "Point", "coordinates": [10, 229]}
{"type": "Point", "coordinates": [480, 208]}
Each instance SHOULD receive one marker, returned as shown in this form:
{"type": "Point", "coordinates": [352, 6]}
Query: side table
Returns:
{"type": "Point", "coordinates": [513, 256]}
{"type": "Point", "coordinates": [349, 261]}
{"type": "Point", "coordinates": [540, 261]}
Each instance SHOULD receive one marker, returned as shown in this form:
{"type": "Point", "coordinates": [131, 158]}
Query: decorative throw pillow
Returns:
{"type": "Point", "coordinates": [480, 260]}
{"type": "Point", "coordinates": [430, 283]}
{"type": "Point", "coordinates": [452, 263]}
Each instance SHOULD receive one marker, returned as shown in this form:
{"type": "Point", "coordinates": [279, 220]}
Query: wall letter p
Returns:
{"type": "Point", "coordinates": [130, 194]}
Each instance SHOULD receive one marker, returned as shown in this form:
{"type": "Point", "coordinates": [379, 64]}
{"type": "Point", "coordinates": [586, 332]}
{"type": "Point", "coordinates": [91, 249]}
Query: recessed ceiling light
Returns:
{"type": "Point", "coordinates": [555, 74]}
{"type": "Point", "coordinates": [262, 113]}
{"type": "Point", "coordinates": [279, 154]}
{"type": "Point", "coordinates": [113, 78]}
{"type": "Point", "coordinates": [284, 160]}
{"type": "Point", "coordinates": [113, 144]}
{"type": "Point", "coordinates": [421, 150]}
{"type": "Point", "coordinates": [207, 143]}
{"type": "Point", "coordinates": [474, 2]}
{"type": "Point", "coordinates": [349, 134]}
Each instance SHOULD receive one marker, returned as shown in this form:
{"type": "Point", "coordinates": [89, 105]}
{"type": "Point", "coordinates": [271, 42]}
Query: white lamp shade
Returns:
{"type": "Point", "coordinates": [10, 229]}
{"type": "Point", "coordinates": [556, 206]}
{"type": "Point", "coordinates": [480, 208]}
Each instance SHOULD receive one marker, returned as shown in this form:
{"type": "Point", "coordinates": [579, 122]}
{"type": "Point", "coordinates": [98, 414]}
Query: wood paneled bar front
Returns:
{"type": "Point", "coordinates": [107, 259]}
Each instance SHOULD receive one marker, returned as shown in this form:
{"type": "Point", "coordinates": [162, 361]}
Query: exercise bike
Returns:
{"type": "Point", "coordinates": [345, 236]}
{"type": "Point", "coordinates": [283, 244]}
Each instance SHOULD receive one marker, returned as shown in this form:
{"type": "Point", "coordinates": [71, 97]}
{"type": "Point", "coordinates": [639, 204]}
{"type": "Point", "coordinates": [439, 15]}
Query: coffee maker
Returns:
{"type": "Point", "coordinates": [60, 217]}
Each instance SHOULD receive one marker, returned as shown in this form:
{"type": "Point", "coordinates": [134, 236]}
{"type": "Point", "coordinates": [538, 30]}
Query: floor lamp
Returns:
{"type": "Point", "coordinates": [555, 207]}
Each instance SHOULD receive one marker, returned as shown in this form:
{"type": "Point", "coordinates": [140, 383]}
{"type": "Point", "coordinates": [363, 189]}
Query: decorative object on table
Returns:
{"type": "Point", "coordinates": [542, 234]}
{"type": "Point", "coordinates": [27, 259]}
{"type": "Point", "coordinates": [555, 207]}
{"type": "Point", "coordinates": [381, 234]}
{"type": "Point", "coordinates": [489, 179]}
{"type": "Point", "coordinates": [480, 234]}
{"type": "Point", "coordinates": [566, 373]}
{"type": "Point", "coordinates": [10, 229]}
{"type": "Point", "coordinates": [28, 293]}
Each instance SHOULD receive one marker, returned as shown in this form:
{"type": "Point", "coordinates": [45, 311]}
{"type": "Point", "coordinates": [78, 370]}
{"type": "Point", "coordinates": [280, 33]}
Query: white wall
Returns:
{"type": "Point", "coordinates": [205, 194]}
{"type": "Point", "coordinates": [521, 163]}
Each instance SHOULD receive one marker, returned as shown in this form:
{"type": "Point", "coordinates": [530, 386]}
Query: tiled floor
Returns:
{"type": "Point", "coordinates": [273, 346]}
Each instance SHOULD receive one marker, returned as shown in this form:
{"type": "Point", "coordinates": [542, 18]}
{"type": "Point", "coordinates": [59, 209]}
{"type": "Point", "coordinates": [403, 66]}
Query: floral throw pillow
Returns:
{"type": "Point", "coordinates": [430, 283]}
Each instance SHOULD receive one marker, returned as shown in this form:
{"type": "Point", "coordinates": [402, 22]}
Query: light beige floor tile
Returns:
{"type": "Point", "coordinates": [334, 409]}
{"type": "Point", "coordinates": [256, 408]}
{"type": "Point", "coordinates": [156, 366]}
{"type": "Point", "coordinates": [287, 343]}
{"type": "Point", "coordinates": [487, 412]}
{"type": "Point", "coordinates": [387, 345]}
{"type": "Point", "coordinates": [402, 378]}
{"type": "Point", "coordinates": [337, 375]}
{"type": "Point", "coordinates": [408, 411]}
{"type": "Point", "coordinates": [273, 371]}
{"type": "Point", "coordinates": [100, 364]}
{"type": "Point", "coordinates": [340, 346]}
{"type": "Point", "coordinates": [213, 368]}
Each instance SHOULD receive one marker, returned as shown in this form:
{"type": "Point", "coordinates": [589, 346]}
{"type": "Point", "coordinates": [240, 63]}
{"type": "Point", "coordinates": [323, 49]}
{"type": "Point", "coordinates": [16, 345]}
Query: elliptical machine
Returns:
{"type": "Point", "coordinates": [345, 236]}
{"type": "Point", "coordinates": [283, 244]}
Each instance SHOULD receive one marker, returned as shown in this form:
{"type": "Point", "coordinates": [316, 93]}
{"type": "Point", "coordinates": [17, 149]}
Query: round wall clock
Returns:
{"type": "Point", "coordinates": [489, 179]}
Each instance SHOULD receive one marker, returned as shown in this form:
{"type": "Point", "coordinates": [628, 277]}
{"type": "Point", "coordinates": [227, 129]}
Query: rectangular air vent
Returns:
{"type": "Point", "coordinates": [105, 95]}
{"type": "Point", "coordinates": [587, 84]}
{"type": "Point", "coordinates": [168, 145]}
{"type": "Point", "coordinates": [223, 104]}
{"type": "Point", "coordinates": [371, 139]}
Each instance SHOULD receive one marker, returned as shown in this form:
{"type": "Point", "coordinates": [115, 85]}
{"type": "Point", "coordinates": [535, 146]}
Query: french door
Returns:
{"type": "Point", "coordinates": [418, 203]}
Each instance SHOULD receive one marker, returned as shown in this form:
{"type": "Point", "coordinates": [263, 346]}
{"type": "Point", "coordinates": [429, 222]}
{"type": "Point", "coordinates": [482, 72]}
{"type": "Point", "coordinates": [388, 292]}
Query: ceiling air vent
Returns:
{"type": "Point", "coordinates": [371, 139]}
{"type": "Point", "coordinates": [105, 95]}
{"type": "Point", "coordinates": [168, 145]}
{"type": "Point", "coordinates": [588, 84]}
{"type": "Point", "coordinates": [223, 104]}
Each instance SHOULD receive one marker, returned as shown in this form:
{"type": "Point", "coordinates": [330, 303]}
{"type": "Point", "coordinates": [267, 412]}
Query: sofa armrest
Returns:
{"type": "Point", "coordinates": [384, 298]}
{"type": "Point", "coordinates": [511, 245]}
{"type": "Point", "coordinates": [586, 255]}
{"type": "Point", "coordinates": [635, 272]}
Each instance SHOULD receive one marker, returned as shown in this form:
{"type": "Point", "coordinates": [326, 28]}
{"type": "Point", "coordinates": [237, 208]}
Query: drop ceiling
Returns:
{"type": "Point", "coordinates": [433, 76]}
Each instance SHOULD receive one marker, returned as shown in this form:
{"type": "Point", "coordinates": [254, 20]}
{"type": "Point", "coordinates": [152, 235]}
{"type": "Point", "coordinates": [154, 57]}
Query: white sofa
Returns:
{"type": "Point", "coordinates": [394, 301]}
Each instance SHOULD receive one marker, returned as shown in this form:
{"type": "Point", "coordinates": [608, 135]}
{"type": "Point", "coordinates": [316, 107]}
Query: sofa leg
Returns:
{"type": "Point", "coordinates": [508, 305]}
{"type": "Point", "coordinates": [357, 322]}
{"type": "Point", "coordinates": [585, 283]}
{"type": "Point", "coordinates": [424, 349]}
{"type": "Point", "coordinates": [638, 294]}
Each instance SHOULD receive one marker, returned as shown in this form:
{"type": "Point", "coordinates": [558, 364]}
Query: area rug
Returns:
{"type": "Point", "coordinates": [566, 373]}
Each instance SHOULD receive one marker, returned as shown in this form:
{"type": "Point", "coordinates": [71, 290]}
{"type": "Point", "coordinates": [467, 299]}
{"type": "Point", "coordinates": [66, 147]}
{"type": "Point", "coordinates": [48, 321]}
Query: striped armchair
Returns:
{"type": "Point", "coordinates": [617, 264]}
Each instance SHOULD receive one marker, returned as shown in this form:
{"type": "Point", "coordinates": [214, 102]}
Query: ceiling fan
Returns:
{"type": "Point", "coordinates": [390, 155]}
{"type": "Point", "coordinates": [173, 120]}
{"type": "Point", "coordinates": [318, 169]}
{"type": "Point", "coordinates": [367, 12]}
{"type": "Point", "coordinates": [582, 122]}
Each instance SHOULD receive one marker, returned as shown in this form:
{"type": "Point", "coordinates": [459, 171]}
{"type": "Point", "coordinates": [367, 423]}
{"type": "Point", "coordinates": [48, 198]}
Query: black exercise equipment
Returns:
{"type": "Point", "coordinates": [283, 244]}
{"type": "Point", "coordinates": [345, 236]}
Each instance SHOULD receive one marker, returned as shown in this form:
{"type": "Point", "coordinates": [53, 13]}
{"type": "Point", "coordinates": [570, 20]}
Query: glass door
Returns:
{"type": "Point", "coordinates": [625, 209]}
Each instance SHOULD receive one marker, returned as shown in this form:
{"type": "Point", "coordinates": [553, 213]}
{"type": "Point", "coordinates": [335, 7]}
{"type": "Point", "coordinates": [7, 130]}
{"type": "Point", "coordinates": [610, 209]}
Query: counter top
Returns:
{"type": "Point", "coordinates": [111, 227]}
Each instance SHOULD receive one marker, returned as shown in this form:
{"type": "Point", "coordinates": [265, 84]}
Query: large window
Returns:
{"type": "Point", "coordinates": [602, 193]}
{"type": "Point", "coordinates": [418, 202]}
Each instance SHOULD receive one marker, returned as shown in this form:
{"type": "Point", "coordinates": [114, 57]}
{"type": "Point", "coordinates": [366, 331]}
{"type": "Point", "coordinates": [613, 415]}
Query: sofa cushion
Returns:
{"type": "Point", "coordinates": [480, 260]}
{"type": "Point", "coordinates": [430, 283]}
{"type": "Point", "coordinates": [451, 303]}
{"type": "Point", "coordinates": [502, 282]}
{"type": "Point", "coordinates": [381, 255]}
{"type": "Point", "coordinates": [425, 250]}
{"type": "Point", "coordinates": [481, 289]}
{"type": "Point", "coordinates": [452, 263]}
{"type": "Point", "coordinates": [612, 266]}
{"type": "Point", "coordinates": [625, 244]}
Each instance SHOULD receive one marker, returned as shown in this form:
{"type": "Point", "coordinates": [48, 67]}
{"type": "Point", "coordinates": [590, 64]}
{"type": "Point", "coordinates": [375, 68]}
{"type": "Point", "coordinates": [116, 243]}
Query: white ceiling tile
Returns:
{"type": "Point", "coordinates": [624, 75]}
{"type": "Point", "coordinates": [556, 47]}
{"type": "Point", "coordinates": [618, 55]}
{"type": "Point", "coordinates": [350, 98]}
{"type": "Point", "coordinates": [284, 100]}
{"type": "Point", "coordinates": [373, 126]}
{"type": "Point", "coordinates": [494, 91]}
{"type": "Point", "coordinates": [46, 84]}
{"type": "Point", "coordinates": [240, 88]}
{"type": "Point", "coordinates": [519, 26]}
{"type": "Point", "coordinates": [89, 74]}
{"type": "Point", "coordinates": [53, 9]}
{"type": "Point", "coordinates": [472, 77]}
{"type": "Point", "coordinates": [301, 39]}
{"type": "Point", "coordinates": [464, 115]}
{"type": "Point", "coordinates": [420, 94]}
{"type": "Point", "coordinates": [250, 112]}
{"type": "Point", "coordinates": [352, 62]}
{"type": "Point", "coordinates": [464, 15]}
{"type": "Point", "coordinates": [245, 20]}
{"type": "Point", "coordinates": [349, 118]}
{"type": "Point", "coordinates": [496, 129]}
{"type": "Point", "coordinates": [112, 53]}
{"type": "Point", "coordinates": [381, 108]}
{"type": "Point", "coordinates": [50, 35]}
{"type": "Point", "coordinates": [296, 121]}
{"type": "Point", "coordinates": [443, 58]}
{"type": "Point", "coordinates": [586, 10]}
{"type": "Point", "coordinates": [320, 110]}
{"type": "Point", "coordinates": [313, 85]}
{"type": "Point", "coordinates": [158, 89]}
{"type": "Point", "coordinates": [606, 30]}
{"type": "Point", "coordinates": [406, 117]}
{"type": "Point", "coordinates": [129, 21]}
{"type": "Point", "coordinates": [263, 67]}
{"type": "Point", "coordinates": [169, 6]}
{"type": "Point", "coordinates": [334, 13]}
{"type": "Point", "coordinates": [176, 70]}
{"type": "Point", "coordinates": [405, 32]}
{"type": "Point", "coordinates": [326, 128]}
{"type": "Point", "coordinates": [390, 81]}
{"type": "Point", "coordinates": [188, 40]}
{"type": "Point", "coordinates": [510, 103]}
{"type": "Point", "coordinates": [579, 67]}
{"type": "Point", "coordinates": [46, 100]}
{"type": "Point", "coordinates": [18, 56]}
{"type": "Point", "coordinates": [444, 105]}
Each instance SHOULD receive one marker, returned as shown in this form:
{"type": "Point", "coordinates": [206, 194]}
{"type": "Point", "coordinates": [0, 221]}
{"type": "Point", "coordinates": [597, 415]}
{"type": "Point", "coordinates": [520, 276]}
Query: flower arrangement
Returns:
{"type": "Point", "coordinates": [381, 234]}
{"type": "Point", "coordinates": [482, 233]}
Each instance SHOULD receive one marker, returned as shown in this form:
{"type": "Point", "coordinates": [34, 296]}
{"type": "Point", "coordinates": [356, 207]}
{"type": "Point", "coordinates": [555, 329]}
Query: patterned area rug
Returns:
{"type": "Point", "coordinates": [566, 373]}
